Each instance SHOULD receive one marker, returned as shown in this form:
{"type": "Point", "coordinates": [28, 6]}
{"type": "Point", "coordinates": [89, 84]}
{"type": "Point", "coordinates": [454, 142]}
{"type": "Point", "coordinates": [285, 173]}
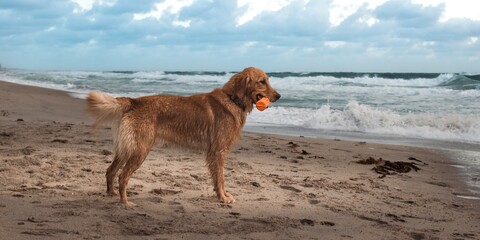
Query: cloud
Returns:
{"type": "Point", "coordinates": [185, 24]}
{"type": "Point", "coordinates": [472, 40]}
{"type": "Point", "coordinates": [87, 5]}
{"type": "Point", "coordinates": [453, 9]}
{"type": "Point", "coordinates": [335, 44]}
{"type": "Point", "coordinates": [342, 9]}
{"type": "Point", "coordinates": [255, 8]}
{"type": "Point", "coordinates": [301, 35]}
{"type": "Point", "coordinates": [168, 7]}
{"type": "Point", "coordinates": [406, 14]}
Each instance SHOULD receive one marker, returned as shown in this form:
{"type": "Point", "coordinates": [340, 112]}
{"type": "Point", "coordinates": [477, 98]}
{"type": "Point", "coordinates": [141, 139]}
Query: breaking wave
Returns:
{"type": "Point", "coordinates": [355, 117]}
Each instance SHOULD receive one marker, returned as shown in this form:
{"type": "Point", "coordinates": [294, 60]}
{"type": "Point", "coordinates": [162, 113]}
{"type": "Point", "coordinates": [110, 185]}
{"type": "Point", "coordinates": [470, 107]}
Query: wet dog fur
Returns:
{"type": "Point", "coordinates": [210, 122]}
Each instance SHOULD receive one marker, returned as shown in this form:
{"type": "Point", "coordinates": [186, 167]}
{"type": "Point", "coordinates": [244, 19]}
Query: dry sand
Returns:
{"type": "Point", "coordinates": [52, 185]}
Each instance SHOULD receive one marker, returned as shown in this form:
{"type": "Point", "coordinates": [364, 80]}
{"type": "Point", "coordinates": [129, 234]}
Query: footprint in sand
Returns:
{"type": "Point", "coordinates": [308, 222]}
{"type": "Point", "coordinates": [290, 188]}
{"type": "Point", "coordinates": [327, 223]}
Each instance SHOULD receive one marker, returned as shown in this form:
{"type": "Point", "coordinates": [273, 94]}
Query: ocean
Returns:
{"type": "Point", "coordinates": [437, 110]}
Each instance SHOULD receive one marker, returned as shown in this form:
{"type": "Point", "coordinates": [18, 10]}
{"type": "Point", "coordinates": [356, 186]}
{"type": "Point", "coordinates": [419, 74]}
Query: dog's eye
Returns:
{"type": "Point", "coordinates": [263, 82]}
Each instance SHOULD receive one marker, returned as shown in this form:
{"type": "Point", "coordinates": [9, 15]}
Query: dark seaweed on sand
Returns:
{"type": "Point", "coordinates": [385, 167]}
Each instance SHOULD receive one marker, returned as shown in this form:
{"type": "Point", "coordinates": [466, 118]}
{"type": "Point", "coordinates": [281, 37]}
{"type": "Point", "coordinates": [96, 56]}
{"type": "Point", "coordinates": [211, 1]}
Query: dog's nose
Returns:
{"type": "Point", "coordinates": [277, 95]}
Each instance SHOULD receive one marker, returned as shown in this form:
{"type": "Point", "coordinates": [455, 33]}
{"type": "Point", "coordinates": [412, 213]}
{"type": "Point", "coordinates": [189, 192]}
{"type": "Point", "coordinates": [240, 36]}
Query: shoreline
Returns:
{"type": "Point", "coordinates": [437, 144]}
{"type": "Point", "coordinates": [52, 184]}
{"type": "Point", "coordinates": [464, 157]}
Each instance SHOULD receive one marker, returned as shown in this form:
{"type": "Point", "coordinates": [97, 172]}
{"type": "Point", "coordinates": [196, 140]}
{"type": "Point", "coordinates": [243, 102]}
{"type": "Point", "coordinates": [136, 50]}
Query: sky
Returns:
{"type": "Point", "coordinates": [229, 35]}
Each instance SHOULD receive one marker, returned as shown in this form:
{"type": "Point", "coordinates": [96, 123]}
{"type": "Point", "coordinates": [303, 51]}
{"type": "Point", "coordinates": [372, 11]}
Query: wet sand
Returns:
{"type": "Point", "coordinates": [52, 185]}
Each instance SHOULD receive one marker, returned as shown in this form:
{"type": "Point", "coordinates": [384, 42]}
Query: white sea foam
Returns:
{"type": "Point", "coordinates": [363, 118]}
{"type": "Point", "coordinates": [298, 82]}
{"type": "Point", "coordinates": [144, 80]}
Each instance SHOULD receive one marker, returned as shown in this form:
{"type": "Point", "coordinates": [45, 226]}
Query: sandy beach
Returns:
{"type": "Point", "coordinates": [52, 185]}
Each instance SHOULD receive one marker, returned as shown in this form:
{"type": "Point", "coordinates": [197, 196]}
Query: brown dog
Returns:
{"type": "Point", "coordinates": [210, 122]}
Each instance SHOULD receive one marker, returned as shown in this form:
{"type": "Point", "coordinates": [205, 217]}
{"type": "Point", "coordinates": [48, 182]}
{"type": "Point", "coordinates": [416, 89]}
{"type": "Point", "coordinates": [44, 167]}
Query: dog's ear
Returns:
{"type": "Point", "coordinates": [238, 86]}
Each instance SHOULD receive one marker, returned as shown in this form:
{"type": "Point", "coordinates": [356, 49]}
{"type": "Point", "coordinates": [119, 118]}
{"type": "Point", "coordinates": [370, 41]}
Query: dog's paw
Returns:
{"type": "Point", "coordinates": [128, 205]}
{"type": "Point", "coordinates": [112, 193]}
{"type": "Point", "coordinates": [228, 198]}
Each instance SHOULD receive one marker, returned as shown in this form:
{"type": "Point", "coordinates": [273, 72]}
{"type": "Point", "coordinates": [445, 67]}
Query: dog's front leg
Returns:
{"type": "Point", "coordinates": [216, 162]}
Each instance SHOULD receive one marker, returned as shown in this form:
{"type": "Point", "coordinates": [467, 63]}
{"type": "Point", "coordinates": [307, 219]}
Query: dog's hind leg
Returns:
{"type": "Point", "coordinates": [130, 167]}
{"type": "Point", "coordinates": [118, 162]}
{"type": "Point", "coordinates": [135, 147]}
{"type": "Point", "coordinates": [111, 172]}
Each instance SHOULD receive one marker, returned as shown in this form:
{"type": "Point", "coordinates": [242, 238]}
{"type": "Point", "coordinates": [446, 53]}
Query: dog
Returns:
{"type": "Point", "coordinates": [209, 122]}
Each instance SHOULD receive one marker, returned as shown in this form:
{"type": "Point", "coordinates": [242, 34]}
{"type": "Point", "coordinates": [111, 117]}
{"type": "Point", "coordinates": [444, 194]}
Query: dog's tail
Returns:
{"type": "Point", "coordinates": [106, 108]}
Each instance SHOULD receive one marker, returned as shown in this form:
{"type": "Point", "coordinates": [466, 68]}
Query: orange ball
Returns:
{"type": "Point", "coordinates": [262, 104]}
